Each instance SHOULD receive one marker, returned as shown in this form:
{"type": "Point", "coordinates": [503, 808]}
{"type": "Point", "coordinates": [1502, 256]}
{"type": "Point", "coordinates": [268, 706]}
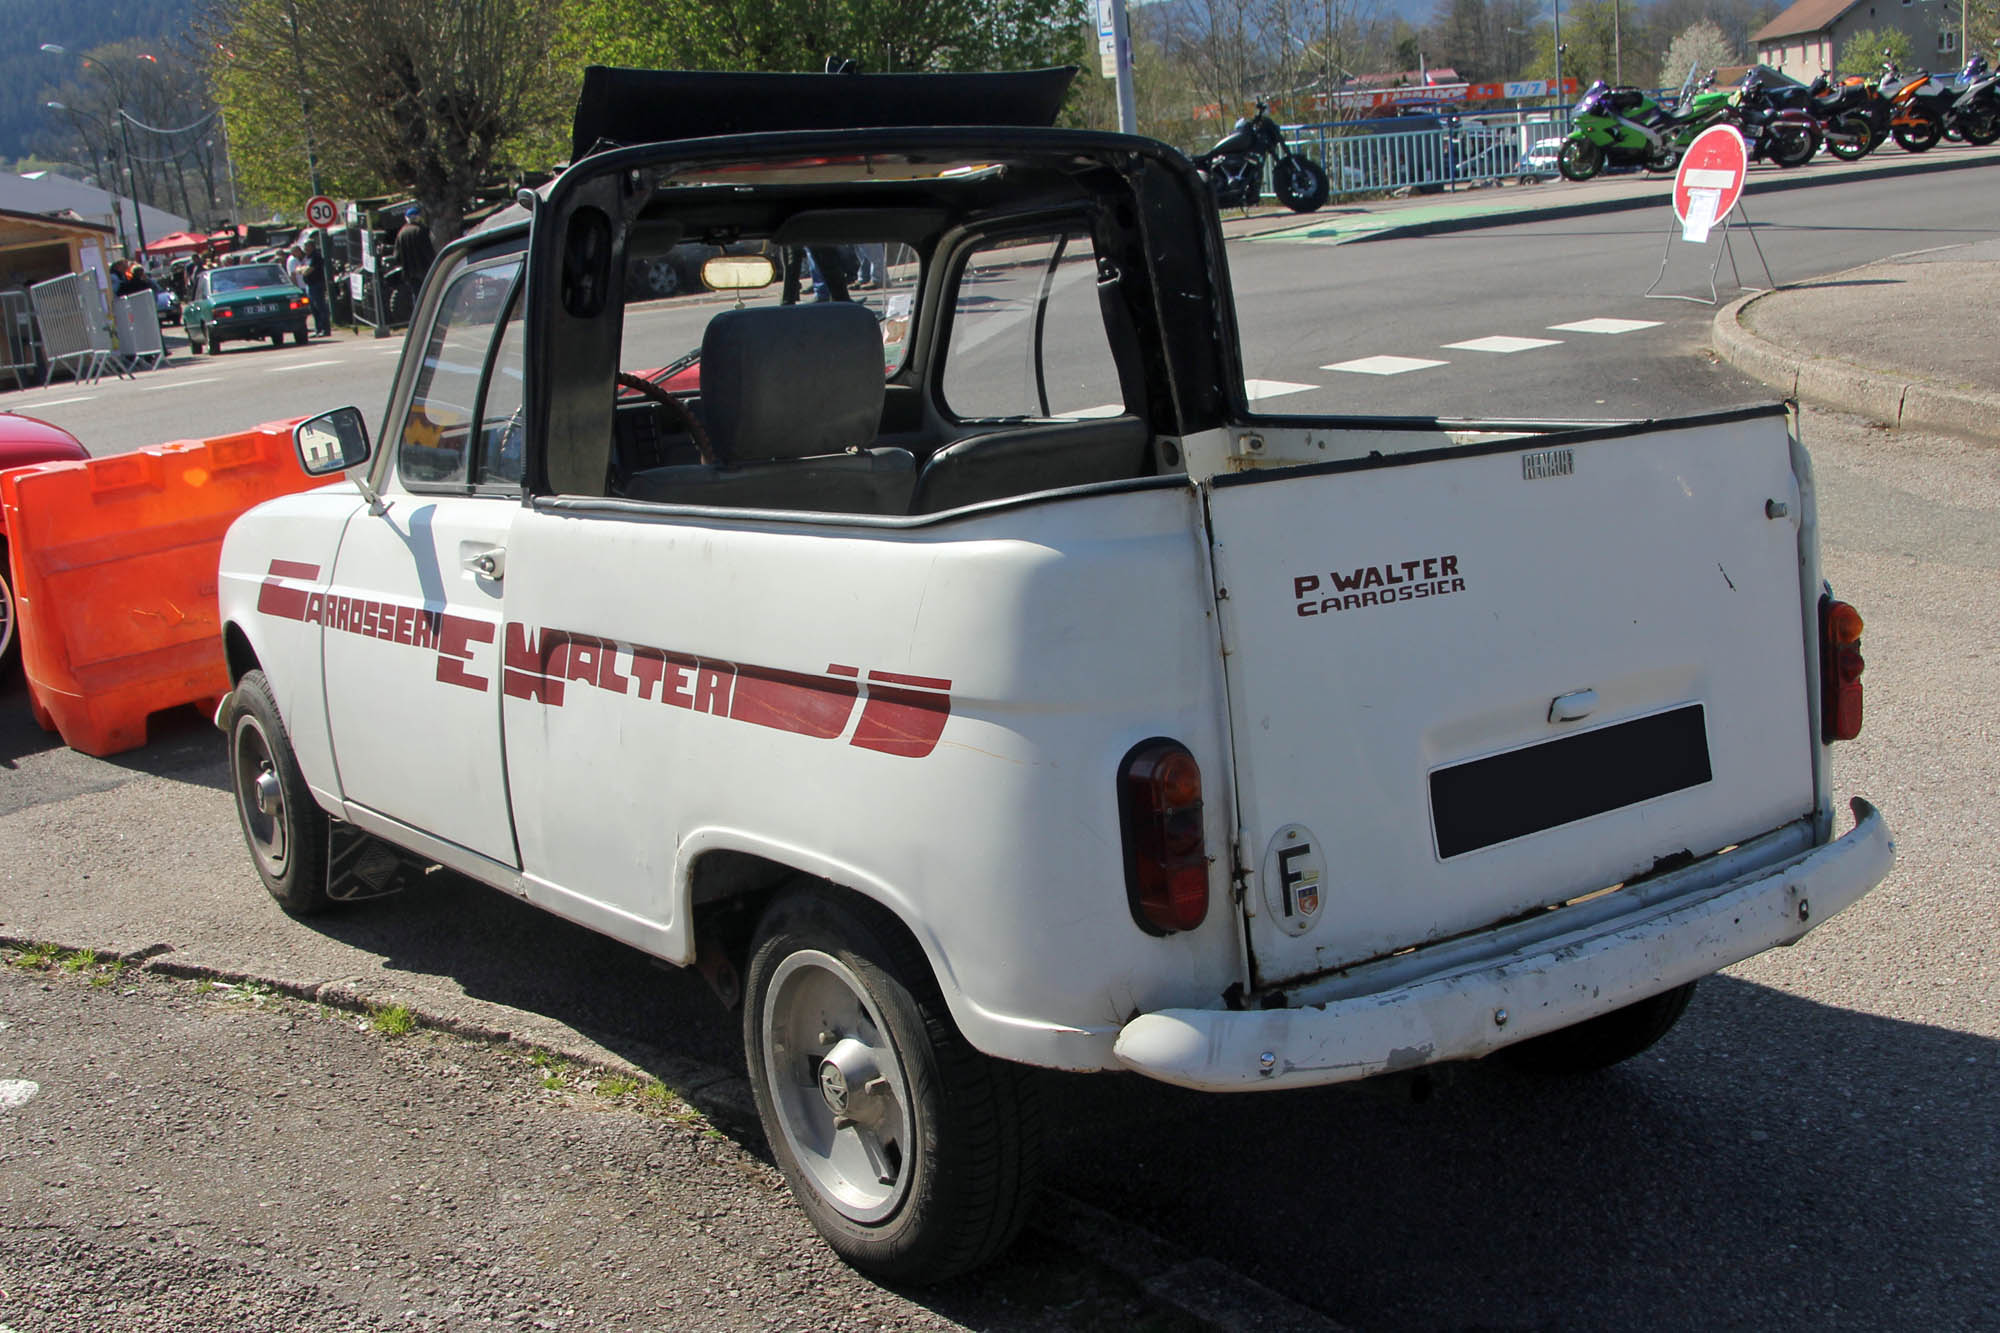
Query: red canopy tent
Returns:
{"type": "Point", "coordinates": [178, 243]}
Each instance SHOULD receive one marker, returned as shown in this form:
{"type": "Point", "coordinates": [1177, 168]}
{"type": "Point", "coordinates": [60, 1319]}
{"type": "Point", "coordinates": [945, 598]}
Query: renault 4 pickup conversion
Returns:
{"type": "Point", "coordinates": [918, 632]}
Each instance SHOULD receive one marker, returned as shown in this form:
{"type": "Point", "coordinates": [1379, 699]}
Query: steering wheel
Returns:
{"type": "Point", "coordinates": [646, 388]}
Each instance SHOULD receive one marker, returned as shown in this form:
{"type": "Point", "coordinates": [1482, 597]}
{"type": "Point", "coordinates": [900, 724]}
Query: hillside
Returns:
{"type": "Point", "coordinates": [27, 72]}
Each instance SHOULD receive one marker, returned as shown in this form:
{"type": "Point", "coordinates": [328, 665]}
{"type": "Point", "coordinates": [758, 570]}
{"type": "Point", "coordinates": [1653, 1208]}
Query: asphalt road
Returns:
{"type": "Point", "coordinates": [1813, 1147]}
{"type": "Point", "coordinates": [1300, 308]}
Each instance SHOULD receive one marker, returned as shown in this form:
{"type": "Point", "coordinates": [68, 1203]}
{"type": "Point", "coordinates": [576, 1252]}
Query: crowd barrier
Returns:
{"type": "Point", "coordinates": [115, 577]}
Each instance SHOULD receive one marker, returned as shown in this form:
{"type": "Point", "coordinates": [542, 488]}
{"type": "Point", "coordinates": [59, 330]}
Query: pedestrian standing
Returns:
{"type": "Point", "coordinates": [414, 252]}
{"type": "Point", "coordinates": [312, 270]}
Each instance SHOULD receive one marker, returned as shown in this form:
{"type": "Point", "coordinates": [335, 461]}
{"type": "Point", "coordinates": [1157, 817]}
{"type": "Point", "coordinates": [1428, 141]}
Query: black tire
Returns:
{"type": "Point", "coordinates": [1664, 158]}
{"type": "Point", "coordinates": [1920, 137]}
{"type": "Point", "coordinates": [1301, 184]}
{"type": "Point", "coordinates": [1601, 1042]}
{"type": "Point", "coordinates": [278, 338]}
{"type": "Point", "coordinates": [283, 825]}
{"type": "Point", "coordinates": [1850, 137]}
{"type": "Point", "coordinates": [10, 645]}
{"type": "Point", "coordinates": [214, 345]}
{"type": "Point", "coordinates": [299, 336]}
{"type": "Point", "coordinates": [1579, 159]}
{"type": "Point", "coordinates": [655, 278]}
{"type": "Point", "coordinates": [1794, 145]}
{"type": "Point", "coordinates": [1980, 127]}
{"type": "Point", "coordinates": [948, 1141]}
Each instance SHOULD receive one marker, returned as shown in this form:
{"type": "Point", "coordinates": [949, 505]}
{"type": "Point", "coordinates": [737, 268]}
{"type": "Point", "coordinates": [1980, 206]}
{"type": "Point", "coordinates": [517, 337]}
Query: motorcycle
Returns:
{"type": "Point", "coordinates": [1774, 125]}
{"type": "Point", "coordinates": [1917, 107]}
{"type": "Point", "coordinates": [1618, 127]}
{"type": "Point", "coordinates": [1234, 167]}
{"type": "Point", "coordinates": [1853, 115]}
{"type": "Point", "coordinates": [1974, 115]}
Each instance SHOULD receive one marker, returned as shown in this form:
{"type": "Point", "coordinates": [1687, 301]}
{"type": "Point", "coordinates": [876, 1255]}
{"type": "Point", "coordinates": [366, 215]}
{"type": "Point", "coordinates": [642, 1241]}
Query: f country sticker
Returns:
{"type": "Point", "coordinates": [1294, 879]}
{"type": "Point", "coordinates": [901, 715]}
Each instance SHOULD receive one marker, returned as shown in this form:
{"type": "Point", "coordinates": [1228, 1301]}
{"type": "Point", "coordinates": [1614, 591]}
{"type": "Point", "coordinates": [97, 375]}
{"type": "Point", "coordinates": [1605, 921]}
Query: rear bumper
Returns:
{"type": "Point", "coordinates": [1472, 1007]}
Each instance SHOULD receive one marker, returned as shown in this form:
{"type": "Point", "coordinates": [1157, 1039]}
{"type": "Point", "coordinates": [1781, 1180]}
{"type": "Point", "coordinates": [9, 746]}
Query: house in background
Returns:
{"type": "Point", "coordinates": [1811, 36]}
{"type": "Point", "coordinates": [47, 193]}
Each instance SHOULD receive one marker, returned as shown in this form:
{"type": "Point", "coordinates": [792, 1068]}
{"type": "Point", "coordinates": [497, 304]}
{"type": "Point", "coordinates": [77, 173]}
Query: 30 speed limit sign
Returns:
{"type": "Point", "coordinates": [320, 211]}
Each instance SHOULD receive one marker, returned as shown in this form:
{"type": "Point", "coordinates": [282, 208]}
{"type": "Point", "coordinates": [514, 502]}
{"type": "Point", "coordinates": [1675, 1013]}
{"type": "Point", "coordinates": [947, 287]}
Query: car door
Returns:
{"type": "Point", "coordinates": [413, 612]}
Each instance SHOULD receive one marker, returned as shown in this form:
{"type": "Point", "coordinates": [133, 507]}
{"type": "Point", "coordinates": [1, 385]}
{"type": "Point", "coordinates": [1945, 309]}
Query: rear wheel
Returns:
{"type": "Point", "coordinates": [282, 823]}
{"type": "Point", "coordinates": [1664, 158]}
{"type": "Point", "coordinates": [1918, 134]}
{"type": "Point", "coordinates": [278, 338]}
{"type": "Point", "coordinates": [298, 336]}
{"type": "Point", "coordinates": [8, 649]}
{"type": "Point", "coordinates": [1794, 145]}
{"type": "Point", "coordinates": [1301, 184]}
{"type": "Point", "coordinates": [1980, 127]}
{"type": "Point", "coordinates": [1849, 137]}
{"type": "Point", "coordinates": [1579, 159]}
{"type": "Point", "coordinates": [1601, 1042]}
{"type": "Point", "coordinates": [913, 1154]}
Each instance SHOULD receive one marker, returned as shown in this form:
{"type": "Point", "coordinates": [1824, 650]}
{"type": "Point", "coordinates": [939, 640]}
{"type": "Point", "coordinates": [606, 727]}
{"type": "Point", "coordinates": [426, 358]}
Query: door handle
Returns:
{"type": "Point", "coordinates": [490, 563]}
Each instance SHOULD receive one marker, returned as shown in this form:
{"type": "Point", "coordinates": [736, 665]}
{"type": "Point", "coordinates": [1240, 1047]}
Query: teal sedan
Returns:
{"type": "Point", "coordinates": [242, 304]}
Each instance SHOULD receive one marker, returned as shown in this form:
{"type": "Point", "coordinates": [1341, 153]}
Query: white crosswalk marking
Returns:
{"type": "Point", "coordinates": [1501, 342]}
{"type": "Point", "coordinates": [303, 365]}
{"type": "Point", "coordinates": [58, 402]}
{"type": "Point", "coordinates": [1255, 389]}
{"type": "Point", "coordinates": [1384, 365]}
{"type": "Point", "coordinates": [181, 384]}
{"type": "Point", "coordinates": [1605, 326]}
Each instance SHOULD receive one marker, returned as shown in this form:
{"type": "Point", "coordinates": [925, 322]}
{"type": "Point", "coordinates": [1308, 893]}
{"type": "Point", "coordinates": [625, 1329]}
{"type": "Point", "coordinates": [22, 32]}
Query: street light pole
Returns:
{"type": "Point", "coordinates": [132, 180]}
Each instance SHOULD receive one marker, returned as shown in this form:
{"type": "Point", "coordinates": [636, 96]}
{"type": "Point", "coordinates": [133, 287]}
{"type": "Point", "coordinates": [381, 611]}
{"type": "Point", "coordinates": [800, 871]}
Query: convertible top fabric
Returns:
{"type": "Point", "coordinates": [631, 106]}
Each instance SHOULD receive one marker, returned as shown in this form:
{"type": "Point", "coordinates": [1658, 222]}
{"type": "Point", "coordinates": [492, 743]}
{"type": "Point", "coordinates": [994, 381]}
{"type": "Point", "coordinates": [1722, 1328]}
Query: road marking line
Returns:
{"type": "Point", "coordinates": [1255, 389]}
{"type": "Point", "coordinates": [388, 351]}
{"type": "Point", "coordinates": [1502, 343]}
{"type": "Point", "coordinates": [1605, 326]}
{"type": "Point", "coordinates": [181, 384]}
{"type": "Point", "coordinates": [1384, 365]}
{"type": "Point", "coordinates": [16, 1092]}
{"type": "Point", "coordinates": [58, 402]}
{"type": "Point", "coordinates": [303, 365]}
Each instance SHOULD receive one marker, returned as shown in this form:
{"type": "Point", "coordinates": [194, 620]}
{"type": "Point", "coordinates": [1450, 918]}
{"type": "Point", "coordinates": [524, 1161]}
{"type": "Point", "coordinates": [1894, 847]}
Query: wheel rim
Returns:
{"type": "Point", "coordinates": [6, 612]}
{"type": "Point", "coordinates": [260, 797]}
{"type": "Point", "coordinates": [838, 1086]}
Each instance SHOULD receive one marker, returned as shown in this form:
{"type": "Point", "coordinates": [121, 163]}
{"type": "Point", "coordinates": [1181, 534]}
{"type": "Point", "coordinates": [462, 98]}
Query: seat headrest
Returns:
{"type": "Point", "coordinates": [791, 381]}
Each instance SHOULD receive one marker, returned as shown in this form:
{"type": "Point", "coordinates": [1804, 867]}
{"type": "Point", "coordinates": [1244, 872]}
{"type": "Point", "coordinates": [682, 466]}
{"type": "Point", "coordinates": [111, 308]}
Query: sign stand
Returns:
{"type": "Point", "coordinates": [1708, 188]}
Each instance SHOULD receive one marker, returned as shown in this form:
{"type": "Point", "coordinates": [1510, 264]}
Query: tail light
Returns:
{"type": "Point", "coordinates": [298, 303]}
{"type": "Point", "coordinates": [1840, 668]}
{"type": "Point", "coordinates": [225, 313]}
{"type": "Point", "coordinates": [1166, 859]}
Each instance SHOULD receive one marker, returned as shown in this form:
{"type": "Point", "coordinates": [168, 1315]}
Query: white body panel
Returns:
{"type": "Point", "coordinates": [1389, 622]}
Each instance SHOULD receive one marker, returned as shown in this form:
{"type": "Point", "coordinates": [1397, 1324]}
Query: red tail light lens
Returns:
{"type": "Point", "coordinates": [298, 304]}
{"type": "Point", "coordinates": [1840, 667]}
{"type": "Point", "coordinates": [1166, 856]}
{"type": "Point", "coordinates": [225, 313]}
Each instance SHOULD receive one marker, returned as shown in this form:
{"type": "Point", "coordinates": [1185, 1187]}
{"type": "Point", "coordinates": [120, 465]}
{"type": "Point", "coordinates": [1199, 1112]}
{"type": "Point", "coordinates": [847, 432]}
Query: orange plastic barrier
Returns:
{"type": "Point", "coordinates": [115, 568]}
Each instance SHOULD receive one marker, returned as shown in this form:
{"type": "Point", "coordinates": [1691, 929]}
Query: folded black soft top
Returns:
{"type": "Point", "coordinates": [628, 106]}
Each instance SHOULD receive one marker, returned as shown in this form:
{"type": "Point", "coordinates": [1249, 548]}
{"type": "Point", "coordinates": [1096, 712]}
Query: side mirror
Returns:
{"type": "Point", "coordinates": [331, 442]}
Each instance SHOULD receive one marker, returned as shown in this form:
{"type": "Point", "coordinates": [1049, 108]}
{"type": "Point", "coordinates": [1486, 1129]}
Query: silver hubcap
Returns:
{"type": "Point", "coordinates": [6, 611]}
{"type": "Point", "coordinates": [841, 1098]}
{"type": "Point", "coordinates": [259, 798]}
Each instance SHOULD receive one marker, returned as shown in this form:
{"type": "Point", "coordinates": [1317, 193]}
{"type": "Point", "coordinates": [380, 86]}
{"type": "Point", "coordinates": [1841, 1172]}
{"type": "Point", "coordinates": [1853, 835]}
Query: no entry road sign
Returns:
{"type": "Point", "coordinates": [1710, 178]}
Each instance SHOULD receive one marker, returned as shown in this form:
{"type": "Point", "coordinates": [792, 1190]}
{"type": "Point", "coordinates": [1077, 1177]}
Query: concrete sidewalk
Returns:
{"type": "Point", "coordinates": [1908, 341]}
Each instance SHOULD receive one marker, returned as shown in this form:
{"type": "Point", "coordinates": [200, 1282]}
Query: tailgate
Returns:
{"type": "Point", "coordinates": [1465, 686]}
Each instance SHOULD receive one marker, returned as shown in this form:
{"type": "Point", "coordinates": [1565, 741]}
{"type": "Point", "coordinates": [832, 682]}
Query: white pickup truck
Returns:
{"type": "Point", "coordinates": [925, 638]}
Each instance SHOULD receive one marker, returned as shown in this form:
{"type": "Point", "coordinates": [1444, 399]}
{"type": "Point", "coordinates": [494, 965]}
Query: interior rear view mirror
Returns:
{"type": "Point", "coordinates": [738, 273]}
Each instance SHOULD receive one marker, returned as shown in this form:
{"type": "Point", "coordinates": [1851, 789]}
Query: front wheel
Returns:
{"type": "Point", "coordinates": [913, 1154]}
{"type": "Point", "coordinates": [1598, 1043]}
{"type": "Point", "coordinates": [1579, 159]}
{"type": "Point", "coordinates": [284, 826]}
{"type": "Point", "coordinates": [1301, 184]}
{"type": "Point", "coordinates": [1919, 134]}
{"type": "Point", "coordinates": [1794, 145]}
{"type": "Point", "coordinates": [1850, 137]}
{"type": "Point", "coordinates": [1664, 158]}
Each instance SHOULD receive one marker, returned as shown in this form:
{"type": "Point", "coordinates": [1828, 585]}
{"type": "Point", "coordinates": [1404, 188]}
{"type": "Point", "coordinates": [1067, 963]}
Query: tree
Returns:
{"type": "Point", "coordinates": [1701, 47]}
{"type": "Point", "coordinates": [434, 96]}
{"type": "Point", "coordinates": [1861, 52]}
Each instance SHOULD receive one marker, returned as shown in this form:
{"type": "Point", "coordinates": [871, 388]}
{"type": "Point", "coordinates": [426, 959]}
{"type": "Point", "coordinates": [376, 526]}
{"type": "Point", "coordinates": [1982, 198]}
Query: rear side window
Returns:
{"type": "Point", "coordinates": [1027, 333]}
{"type": "Point", "coordinates": [435, 447]}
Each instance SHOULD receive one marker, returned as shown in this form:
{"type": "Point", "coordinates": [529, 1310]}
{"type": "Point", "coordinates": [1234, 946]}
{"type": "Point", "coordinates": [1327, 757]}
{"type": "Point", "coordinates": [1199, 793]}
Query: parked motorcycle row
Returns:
{"type": "Point", "coordinates": [1781, 119]}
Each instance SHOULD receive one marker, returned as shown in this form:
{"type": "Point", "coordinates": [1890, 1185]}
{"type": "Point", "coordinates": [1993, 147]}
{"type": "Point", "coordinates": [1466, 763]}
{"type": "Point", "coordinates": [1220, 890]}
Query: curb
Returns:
{"type": "Point", "coordinates": [1828, 381]}
{"type": "Point", "coordinates": [1800, 179]}
{"type": "Point", "coordinates": [1205, 1291]}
